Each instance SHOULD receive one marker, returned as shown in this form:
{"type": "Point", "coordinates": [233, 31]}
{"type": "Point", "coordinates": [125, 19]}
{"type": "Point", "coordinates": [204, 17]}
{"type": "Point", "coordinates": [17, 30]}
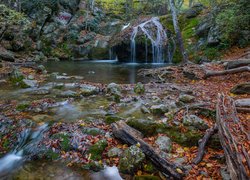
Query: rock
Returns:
{"type": "Point", "coordinates": [115, 152]}
{"type": "Point", "coordinates": [185, 98]}
{"type": "Point", "coordinates": [191, 13]}
{"type": "Point", "coordinates": [31, 77]}
{"type": "Point", "coordinates": [145, 110]}
{"type": "Point", "coordinates": [243, 88]}
{"type": "Point", "coordinates": [93, 131]}
{"type": "Point", "coordinates": [6, 55]}
{"type": "Point", "coordinates": [41, 118]}
{"type": "Point", "coordinates": [40, 92]}
{"type": "Point", "coordinates": [97, 149]}
{"type": "Point", "coordinates": [109, 119]}
{"type": "Point", "coordinates": [195, 122]}
{"type": "Point", "coordinates": [139, 88]}
{"type": "Point", "coordinates": [164, 143]}
{"type": "Point", "coordinates": [41, 68]}
{"type": "Point", "coordinates": [30, 83]}
{"type": "Point", "coordinates": [88, 90]}
{"type": "Point", "coordinates": [213, 37]}
{"type": "Point", "coordinates": [69, 93]}
{"type": "Point", "coordinates": [131, 159]}
{"type": "Point", "coordinates": [114, 89]}
{"type": "Point", "coordinates": [159, 109]}
{"type": "Point", "coordinates": [180, 160]}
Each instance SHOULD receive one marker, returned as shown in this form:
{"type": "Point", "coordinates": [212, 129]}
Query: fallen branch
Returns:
{"type": "Point", "coordinates": [233, 138]}
{"type": "Point", "coordinates": [126, 134]}
{"type": "Point", "coordinates": [225, 72]}
{"type": "Point", "coordinates": [238, 63]}
{"type": "Point", "coordinates": [203, 143]}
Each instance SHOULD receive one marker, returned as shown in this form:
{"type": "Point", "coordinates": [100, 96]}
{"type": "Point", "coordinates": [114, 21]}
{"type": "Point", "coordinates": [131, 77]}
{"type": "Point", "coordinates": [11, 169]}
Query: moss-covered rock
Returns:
{"type": "Point", "coordinates": [131, 159]}
{"type": "Point", "coordinates": [97, 149]}
{"type": "Point", "coordinates": [64, 139]}
{"type": "Point", "coordinates": [109, 119]}
{"type": "Point", "coordinates": [139, 88]}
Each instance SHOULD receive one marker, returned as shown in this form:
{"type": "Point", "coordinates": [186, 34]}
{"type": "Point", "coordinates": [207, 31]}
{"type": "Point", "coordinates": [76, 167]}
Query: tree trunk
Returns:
{"type": "Point", "coordinates": [178, 31]}
{"type": "Point", "coordinates": [131, 136]}
{"type": "Point", "coordinates": [230, 71]}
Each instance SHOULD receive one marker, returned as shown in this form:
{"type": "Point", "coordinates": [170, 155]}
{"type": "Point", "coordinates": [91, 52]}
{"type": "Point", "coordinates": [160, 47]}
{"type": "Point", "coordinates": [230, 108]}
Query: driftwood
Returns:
{"type": "Point", "coordinates": [225, 72]}
{"type": "Point", "coordinates": [238, 63]}
{"type": "Point", "coordinates": [126, 134]}
{"type": "Point", "coordinates": [234, 139]}
{"type": "Point", "coordinates": [203, 143]}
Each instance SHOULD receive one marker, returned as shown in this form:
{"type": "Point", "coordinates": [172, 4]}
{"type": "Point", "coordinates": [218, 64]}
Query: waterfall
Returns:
{"type": "Point", "coordinates": [158, 39]}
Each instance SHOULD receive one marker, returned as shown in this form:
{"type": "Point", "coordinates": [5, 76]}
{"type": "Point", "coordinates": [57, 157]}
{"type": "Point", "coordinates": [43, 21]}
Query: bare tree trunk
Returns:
{"type": "Point", "coordinates": [178, 31]}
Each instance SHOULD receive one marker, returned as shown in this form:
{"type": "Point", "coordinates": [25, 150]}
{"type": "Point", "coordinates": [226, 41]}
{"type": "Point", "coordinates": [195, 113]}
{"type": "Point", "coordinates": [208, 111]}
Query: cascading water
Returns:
{"type": "Point", "coordinates": [28, 141]}
{"type": "Point", "coordinates": [154, 31]}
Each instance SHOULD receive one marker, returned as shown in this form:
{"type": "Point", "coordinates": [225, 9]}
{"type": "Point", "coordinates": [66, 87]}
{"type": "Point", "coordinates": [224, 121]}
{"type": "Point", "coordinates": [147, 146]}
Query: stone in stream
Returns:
{"type": "Point", "coordinates": [164, 143]}
{"type": "Point", "coordinates": [159, 109]}
{"type": "Point", "coordinates": [115, 152]}
{"type": "Point", "coordinates": [67, 94]}
{"type": "Point", "coordinates": [195, 122]}
{"type": "Point", "coordinates": [87, 90]}
{"type": "Point", "coordinates": [145, 110]}
{"type": "Point", "coordinates": [131, 159]}
{"type": "Point", "coordinates": [185, 98]}
{"type": "Point", "coordinates": [139, 88]}
{"type": "Point", "coordinates": [30, 83]}
{"type": "Point", "coordinates": [243, 88]}
{"type": "Point", "coordinates": [114, 89]}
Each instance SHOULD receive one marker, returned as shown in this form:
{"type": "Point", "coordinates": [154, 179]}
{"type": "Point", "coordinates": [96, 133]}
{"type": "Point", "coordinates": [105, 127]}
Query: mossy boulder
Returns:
{"type": "Point", "coordinates": [139, 88]}
{"type": "Point", "coordinates": [131, 159]}
{"type": "Point", "coordinates": [159, 109]}
{"type": "Point", "coordinates": [64, 141]}
{"type": "Point", "coordinates": [97, 149]}
{"type": "Point", "coordinates": [109, 119]}
{"type": "Point", "coordinates": [87, 90]}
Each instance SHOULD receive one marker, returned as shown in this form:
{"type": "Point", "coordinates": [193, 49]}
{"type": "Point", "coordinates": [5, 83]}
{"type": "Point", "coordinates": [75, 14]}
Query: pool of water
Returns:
{"type": "Point", "coordinates": [102, 71]}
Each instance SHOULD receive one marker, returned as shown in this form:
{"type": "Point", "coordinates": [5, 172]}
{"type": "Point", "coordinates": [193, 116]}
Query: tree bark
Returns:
{"type": "Point", "coordinates": [178, 31]}
{"type": "Point", "coordinates": [238, 63]}
{"type": "Point", "coordinates": [233, 138]}
{"type": "Point", "coordinates": [130, 136]}
{"type": "Point", "coordinates": [225, 72]}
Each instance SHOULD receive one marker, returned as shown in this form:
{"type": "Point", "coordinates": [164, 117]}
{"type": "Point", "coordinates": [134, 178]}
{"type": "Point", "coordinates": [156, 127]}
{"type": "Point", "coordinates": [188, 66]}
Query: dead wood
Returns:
{"type": "Point", "coordinates": [225, 72]}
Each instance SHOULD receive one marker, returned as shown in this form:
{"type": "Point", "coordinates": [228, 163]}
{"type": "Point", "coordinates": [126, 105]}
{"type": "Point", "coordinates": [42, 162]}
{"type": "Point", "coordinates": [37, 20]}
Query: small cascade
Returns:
{"type": "Point", "coordinates": [154, 31]}
{"type": "Point", "coordinates": [28, 142]}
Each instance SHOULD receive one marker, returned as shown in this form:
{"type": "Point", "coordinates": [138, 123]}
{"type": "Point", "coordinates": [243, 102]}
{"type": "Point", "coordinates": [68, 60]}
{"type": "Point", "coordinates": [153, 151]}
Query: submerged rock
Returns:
{"type": "Point", "coordinates": [131, 159]}
{"type": "Point", "coordinates": [194, 122]}
{"type": "Point", "coordinates": [164, 143]}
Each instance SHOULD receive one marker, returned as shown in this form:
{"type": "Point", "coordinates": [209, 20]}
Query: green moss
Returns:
{"type": "Point", "coordinates": [18, 81]}
{"type": "Point", "coordinates": [111, 119]}
{"type": "Point", "coordinates": [146, 177]}
{"type": "Point", "coordinates": [149, 168]}
{"type": "Point", "coordinates": [212, 53]}
{"type": "Point", "coordinates": [52, 155]}
{"type": "Point", "coordinates": [97, 149]}
{"type": "Point", "coordinates": [94, 166]}
{"type": "Point", "coordinates": [22, 107]}
{"type": "Point", "coordinates": [64, 141]}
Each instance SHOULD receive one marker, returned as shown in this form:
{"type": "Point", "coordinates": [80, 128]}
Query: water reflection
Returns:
{"type": "Point", "coordinates": [102, 71]}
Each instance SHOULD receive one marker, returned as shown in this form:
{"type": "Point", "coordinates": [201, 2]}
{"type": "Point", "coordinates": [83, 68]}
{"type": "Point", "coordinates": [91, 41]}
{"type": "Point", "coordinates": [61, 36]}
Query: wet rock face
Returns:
{"type": "Point", "coordinates": [195, 122]}
{"type": "Point", "coordinates": [131, 159]}
{"type": "Point", "coordinates": [164, 143]}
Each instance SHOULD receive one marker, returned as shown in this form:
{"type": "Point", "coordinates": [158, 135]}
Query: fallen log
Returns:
{"type": "Point", "coordinates": [225, 72]}
{"type": "Point", "coordinates": [126, 134]}
{"type": "Point", "coordinates": [234, 139]}
{"type": "Point", "coordinates": [244, 103]}
{"type": "Point", "coordinates": [238, 63]}
{"type": "Point", "coordinates": [203, 143]}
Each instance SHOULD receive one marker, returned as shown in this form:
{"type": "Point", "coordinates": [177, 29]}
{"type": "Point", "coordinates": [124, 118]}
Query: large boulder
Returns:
{"type": "Point", "coordinates": [6, 55]}
{"type": "Point", "coordinates": [131, 159]}
{"type": "Point", "coordinates": [159, 109]}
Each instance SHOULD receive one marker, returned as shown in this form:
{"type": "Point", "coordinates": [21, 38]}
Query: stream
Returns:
{"type": "Point", "coordinates": [16, 164]}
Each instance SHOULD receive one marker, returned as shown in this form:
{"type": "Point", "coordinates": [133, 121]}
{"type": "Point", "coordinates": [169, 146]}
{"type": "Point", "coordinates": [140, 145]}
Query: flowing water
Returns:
{"type": "Point", "coordinates": [154, 31]}
{"type": "Point", "coordinates": [14, 165]}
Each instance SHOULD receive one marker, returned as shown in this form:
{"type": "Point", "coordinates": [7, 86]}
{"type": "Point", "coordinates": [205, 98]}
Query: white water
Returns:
{"type": "Point", "coordinates": [28, 142]}
{"type": "Point", "coordinates": [158, 40]}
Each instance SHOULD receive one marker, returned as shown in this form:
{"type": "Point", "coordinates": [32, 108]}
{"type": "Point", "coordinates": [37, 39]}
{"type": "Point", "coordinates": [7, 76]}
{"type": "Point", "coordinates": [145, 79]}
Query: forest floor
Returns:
{"type": "Point", "coordinates": [167, 85]}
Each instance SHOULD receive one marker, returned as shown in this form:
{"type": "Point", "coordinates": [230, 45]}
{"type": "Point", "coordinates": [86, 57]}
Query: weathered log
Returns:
{"type": "Point", "coordinates": [245, 103]}
{"type": "Point", "coordinates": [225, 72]}
{"type": "Point", "coordinates": [243, 88]}
{"type": "Point", "coordinates": [203, 143]}
{"type": "Point", "coordinates": [234, 139]}
{"type": "Point", "coordinates": [126, 134]}
{"type": "Point", "coordinates": [238, 63]}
